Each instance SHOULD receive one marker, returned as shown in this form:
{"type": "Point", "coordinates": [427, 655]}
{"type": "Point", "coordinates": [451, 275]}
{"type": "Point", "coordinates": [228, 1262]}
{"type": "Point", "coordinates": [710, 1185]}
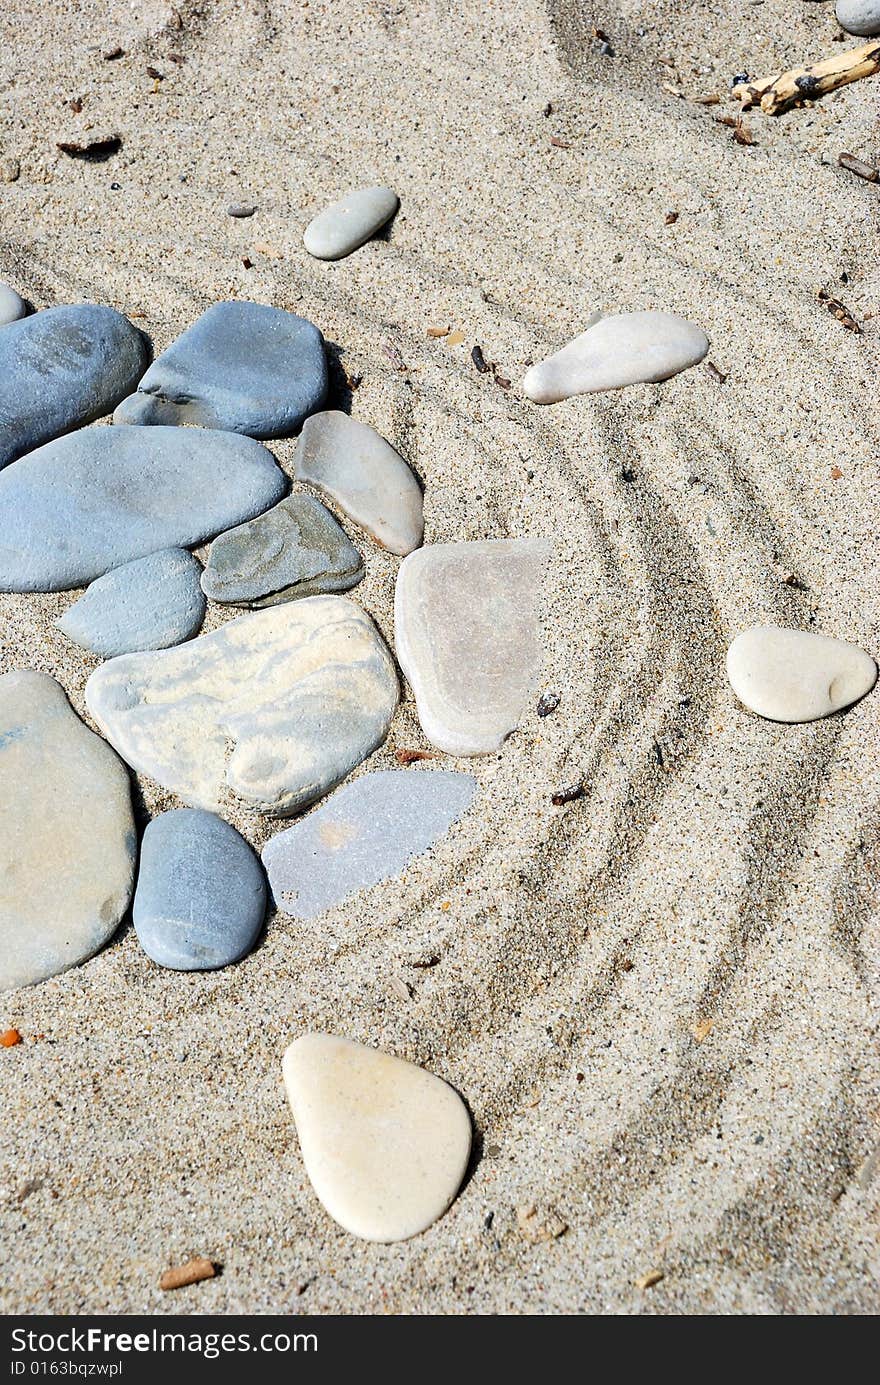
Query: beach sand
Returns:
{"type": "Point", "coordinates": [661, 1000]}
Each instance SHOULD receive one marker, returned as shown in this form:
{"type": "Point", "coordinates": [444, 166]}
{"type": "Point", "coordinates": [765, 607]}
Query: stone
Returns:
{"type": "Point", "coordinates": [370, 482]}
{"type": "Point", "coordinates": [240, 209]}
{"type": "Point", "coordinates": [624, 349]}
{"type": "Point", "coordinates": [468, 638]}
{"type": "Point", "coordinates": [348, 223]}
{"type": "Point", "coordinates": [365, 833]}
{"type": "Point", "coordinates": [859, 16]}
{"type": "Point", "coordinates": [12, 305]}
{"type": "Point", "coordinates": [62, 368]}
{"type": "Point", "coordinates": [150, 603]}
{"type": "Point", "coordinates": [272, 710]}
{"type": "Point", "coordinates": [67, 837]}
{"type": "Point", "coordinates": [244, 367]}
{"type": "Point", "coordinates": [201, 892]}
{"type": "Point", "coordinates": [385, 1143]}
{"type": "Point", "coordinates": [797, 675]}
{"type": "Point", "coordinates": [294, 549]}
{"type": "Point", "coordinates": [84, 504]}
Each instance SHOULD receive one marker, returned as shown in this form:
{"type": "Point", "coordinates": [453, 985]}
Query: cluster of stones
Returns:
{"type": "Point", "coordinates": [279, 705]}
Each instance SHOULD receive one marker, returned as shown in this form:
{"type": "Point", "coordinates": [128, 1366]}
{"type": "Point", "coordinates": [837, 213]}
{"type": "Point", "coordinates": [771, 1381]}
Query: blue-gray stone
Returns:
{"type": "Point", "coordinates": [294, 549]}
{"type": "Point", "coordinates": [150, 603]}
{"type": "Point", "coordinates": [201, 893]}
{"type": "Point", "coordinates": [92, 501]}
{"type": "Point", "coordinates": [365, 833]}
{"type": "Point", "coordinates": [242, 366]}
{"type": "Point", "coordinates": [61, 368]}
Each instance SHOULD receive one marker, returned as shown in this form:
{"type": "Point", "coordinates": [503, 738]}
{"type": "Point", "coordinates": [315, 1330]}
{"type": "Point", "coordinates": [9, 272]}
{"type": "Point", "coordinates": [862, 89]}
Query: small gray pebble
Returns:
{"type": "Point", "coordinates": [240, 209]}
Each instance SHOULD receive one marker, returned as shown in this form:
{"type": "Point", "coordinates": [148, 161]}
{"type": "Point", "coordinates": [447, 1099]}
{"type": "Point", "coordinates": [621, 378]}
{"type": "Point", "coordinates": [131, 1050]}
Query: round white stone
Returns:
{"type": "Point", "coordinates": [797, 675]}
{"type": "Point", "coordinates": [12, 305]}
{"type": "Point", "coordinates": [624, 349]}
{"type": "Point", "coordinates": [344, 226]}
{"type": "Point", "coordinates": [859, 16]}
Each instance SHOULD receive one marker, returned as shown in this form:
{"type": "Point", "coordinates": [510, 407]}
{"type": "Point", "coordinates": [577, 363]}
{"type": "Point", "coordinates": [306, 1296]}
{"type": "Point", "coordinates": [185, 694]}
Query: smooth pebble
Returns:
{"type": "Point", "coordinates": [385, 1143]}
{"type": "Point", "coordinates": [150, 603]}
{"type": "Point", "coordinates": [348, 223]}
{"type": "Point", "coordinates": [624, 349]}
{"type": "Point", "coordinates": [797, 675]}
{"type": "Point", "coordinates": [12, 305]}
{"type": "Point", "coordinates": [859, 16]}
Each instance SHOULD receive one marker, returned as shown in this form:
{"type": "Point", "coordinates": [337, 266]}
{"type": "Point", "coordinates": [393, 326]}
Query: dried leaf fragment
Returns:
{"type": "Point", "coordinates": [838, 310]}
{"type": "Point", "coordinates": [437, 332]}
{"type": "Point", "coordinates": [537, 1227]}
{"type": "Point", "coordinates": [400, 989]}
{"type": "Point", "coordinates": [702, 1029]}
{"type": "Point", "coordinates": [455, 338]}
{"type": "Point", "coordinates": [647, 1281]}
{"type": "Point", "coordinates": [262, 248]}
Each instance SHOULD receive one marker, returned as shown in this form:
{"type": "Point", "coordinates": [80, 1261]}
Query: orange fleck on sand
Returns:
{"type": "Point", "coordinates": [9, 1038]}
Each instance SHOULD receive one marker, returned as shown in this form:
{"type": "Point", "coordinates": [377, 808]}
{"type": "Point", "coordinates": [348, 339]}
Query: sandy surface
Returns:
{"type": "Point", "coordinates": [720, 868]}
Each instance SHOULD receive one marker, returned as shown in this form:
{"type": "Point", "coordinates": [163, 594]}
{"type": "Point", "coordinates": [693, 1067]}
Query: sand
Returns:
{"type": "Point", "coordinates": [660, 1000]}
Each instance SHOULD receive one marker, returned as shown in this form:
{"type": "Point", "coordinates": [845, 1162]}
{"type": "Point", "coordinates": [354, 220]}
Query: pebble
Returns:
{"type": "Point", "coordinates": [273, 709]}
{"type": "Point", "coordinates": [797, 675]}
{"type": "Point", "coordinates": [624, 349]}
{"type": "Point", "coordinates": [201, 893]}
{"type": "Point", "coordinates": [67, 837]}
{"type": "Point", "coordinates": [859, 16]}
{"type": "Point", "coordinates": [61, 368]}
{"type": "Point", "coordinates": [370, 482]}
{"type": "Point", "coordinates": [150, 603]}
{"type": "Point", "coordinates": [365, 833]}
{"type": "Point", "coordinates": [242, 366]}
{"type": "Point", "coordinates": [468, 638]}
{"type": "Point", "coordinates": [348, 223]}
{"type": "Point", "coordinates": [100, 497]}
{"type": "Point", "coordinates": [240, 209]}
{"type": "Point", "coordinates": [294, 549]}
{"type": "Point", "coordinates": [385, 1143]}
{"type": "Point", "coordinates": [12, 305]}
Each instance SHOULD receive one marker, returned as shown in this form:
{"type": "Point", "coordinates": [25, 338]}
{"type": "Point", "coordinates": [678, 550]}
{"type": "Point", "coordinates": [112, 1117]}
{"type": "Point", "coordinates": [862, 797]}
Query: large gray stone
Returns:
{"type": "Point", "coordinates": [348, 223]}
{"type": "Point", "coordinates": [272, 709]}
{"type": "Point", "coordinates": [103, 496]}
{"type": "Point", "coordinates": [150, 603]}
{"type": "Point", "coordinates": [294, 549]}
{"type": "Point", "coordinates": [67, 838]}
{"type": "Point", "coordinates": [61, 368]}
{"type": "Point", "coordinates": [201, 892]}
{"type": "Point", "coordinates": [366, 832]}
{"type": "Point", "coordinates": [370, 482]}
{"type": "Point", "coordinates": [242, 366]}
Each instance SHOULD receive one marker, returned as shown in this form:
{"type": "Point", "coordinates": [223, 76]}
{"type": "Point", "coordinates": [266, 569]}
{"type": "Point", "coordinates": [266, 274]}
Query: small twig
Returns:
{"type": "Point", "coordinates": [838, 310]}
{"type": "Point", "coordinates": [191, 1273]}
{"type": "Point", "coordinates": [859, 168]}
{"type": "Point", "coordinates": [776, 94]}
{"type": "Point", "coordinates": [568, 794]}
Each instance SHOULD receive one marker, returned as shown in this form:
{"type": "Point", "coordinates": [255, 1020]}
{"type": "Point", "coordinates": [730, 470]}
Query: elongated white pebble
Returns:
{"type": "Point", "coordinates": [624, 349]}
{"type": "Point", "coordinates": [797, 675]}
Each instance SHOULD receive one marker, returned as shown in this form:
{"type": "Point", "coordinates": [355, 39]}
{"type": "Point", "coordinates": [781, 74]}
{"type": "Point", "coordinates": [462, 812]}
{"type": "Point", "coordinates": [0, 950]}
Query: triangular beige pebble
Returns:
{"type": "Point", "coordinates": [384, 1143]}
{"type": "Point", "coordinates": [797, 675]}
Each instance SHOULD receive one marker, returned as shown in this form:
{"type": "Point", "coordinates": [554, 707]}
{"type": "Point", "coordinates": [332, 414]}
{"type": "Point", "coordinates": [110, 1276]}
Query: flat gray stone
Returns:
{"type": "Point", "coordinates": [150, 603]}
{"type": "Point", "coordinates": [67, 838]}
{"type": "Point", "coordinates": [92, 501]}
{"type": "Point", "coordinates": [201, 892]}
{"type": "Point", "coordinates": [468, 638]}
{"type": "Point", "coordinates": [348, 223]}
{"type": "Point", "coordinates": [366, 832]}
{"type": "Point", "coordinates": [623, 349]}
{"type": "Point", "coordinates": [295, 549]}
{"type": "Point", "coordinates": [61, 368]}
{"type": "Point", "coordinates": [12, 305]}
{"type": "Point", "coordinates": [370, 482]}
{"type": "Point", "coordinates": [273, 709]}
{"type": "Point", "coordinates": [244, 367]}
{"type": "Point", "coordinates": [859, 16]}
{"type": "Point", "coordinates": [797, 675]}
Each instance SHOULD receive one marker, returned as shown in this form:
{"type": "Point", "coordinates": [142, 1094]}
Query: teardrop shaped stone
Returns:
{"type": "Point", "coordinates": [623, 349]}
{"type": "Point", "coordinates": [797, 675]}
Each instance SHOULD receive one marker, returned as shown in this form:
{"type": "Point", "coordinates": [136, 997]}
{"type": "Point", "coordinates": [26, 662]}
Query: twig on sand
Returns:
{"type": "Point", "coordinates": [776, 94]}
{"type": "Point", "coordinates": [838, 310]}
{"type": "Point", "coordinates": [194, 1270]}
{"type": "Point", "coordinates": [859, 168]}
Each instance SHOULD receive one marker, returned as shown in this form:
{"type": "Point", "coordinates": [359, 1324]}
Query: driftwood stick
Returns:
{"type": "Point", "coordinates": [856, 166]}
{"type": "Point", "coordinates": [776, 94]}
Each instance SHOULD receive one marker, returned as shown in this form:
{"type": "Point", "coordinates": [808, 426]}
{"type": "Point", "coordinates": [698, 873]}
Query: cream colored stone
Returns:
{"type": "Point", "coordinates": [348, 223]}
{"type": "Point", "coordinates": [385, 1144]}
{"type": "Point", "coordinates": [797, 675]}
{"type": "Point", "coordinates": [623, 349]}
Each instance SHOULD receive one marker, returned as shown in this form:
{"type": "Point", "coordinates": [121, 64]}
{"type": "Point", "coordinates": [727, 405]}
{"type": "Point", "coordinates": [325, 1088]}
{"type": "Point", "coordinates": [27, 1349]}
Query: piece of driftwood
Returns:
{"type": "Point", "coordinates": [859, 168]}
{"type": "Point", "coordinates": [776, 94]}
{"type": "Point", "coordinates": [191, 1273]}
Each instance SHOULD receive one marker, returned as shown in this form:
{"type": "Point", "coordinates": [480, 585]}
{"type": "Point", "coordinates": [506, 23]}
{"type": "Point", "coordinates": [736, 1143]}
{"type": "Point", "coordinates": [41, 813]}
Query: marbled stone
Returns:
{"type": "Point", "coordinates": [468, 637]}
{"type": "Point", "coordinates": [150, 603]}
{"type": "Point", "coordinates": [859, 16]}
{"type": "Point", "coordinates": [370, 482]}
{"type": "Point", "coordinates": [272, 709]}
{"type": "Point", "coordinates": [366, 832]}
{"type": "Point", "coordinates": [61, 368]}
{"type": "Point", "coordinates": [624, 349]}
{"type": "Point", "coordinates": [348, 223]}
{"type": "Point", "coordinates": [201, 893]}
{"type": "Point", "coordinates": [244, 367]}
{"type": "Point", "coordinates": [103, 496]}
{"type": "Point", "coordinates": [294, 549]}
{"type": "Point", "coordinates": [67, 838]}
{"type": "Point", "coordinates": [385, 1143]}
{"type": "Point", "coordinates": [12, 305]}
{"type": "Point", "coordinates": [797, 675]}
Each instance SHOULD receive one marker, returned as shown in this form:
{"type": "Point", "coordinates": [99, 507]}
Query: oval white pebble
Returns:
{"type": "Point", "coordinates": [385, 1144]}
{"type": "Point", "coordinates": [624, 349]}
{"type": "Point", "coordinates": [344, 226]}
{"type": "Point", "coordinates": [12, 305]}
{"type": "Point", "coordinates": [797, 675]}
{"type": "Point", "coordinates": [859, 16]}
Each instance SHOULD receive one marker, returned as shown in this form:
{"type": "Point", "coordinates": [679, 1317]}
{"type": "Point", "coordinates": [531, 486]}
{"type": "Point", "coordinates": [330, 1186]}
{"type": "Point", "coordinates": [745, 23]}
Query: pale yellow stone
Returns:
{"type": "Point", "coordinates": [797, 675]}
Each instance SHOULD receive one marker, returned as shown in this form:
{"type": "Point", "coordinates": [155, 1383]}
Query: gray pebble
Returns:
{"type": "Point", "coordinates": [150, 603]}
{"type": "Point", "coordinates": [348, 223]}
{"type": "Point", "coordinates": [240, 209]}
{"type": "Point", "coordinates": [859, 16]}
{"type": "Point", "coordinates": [12, 305]}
